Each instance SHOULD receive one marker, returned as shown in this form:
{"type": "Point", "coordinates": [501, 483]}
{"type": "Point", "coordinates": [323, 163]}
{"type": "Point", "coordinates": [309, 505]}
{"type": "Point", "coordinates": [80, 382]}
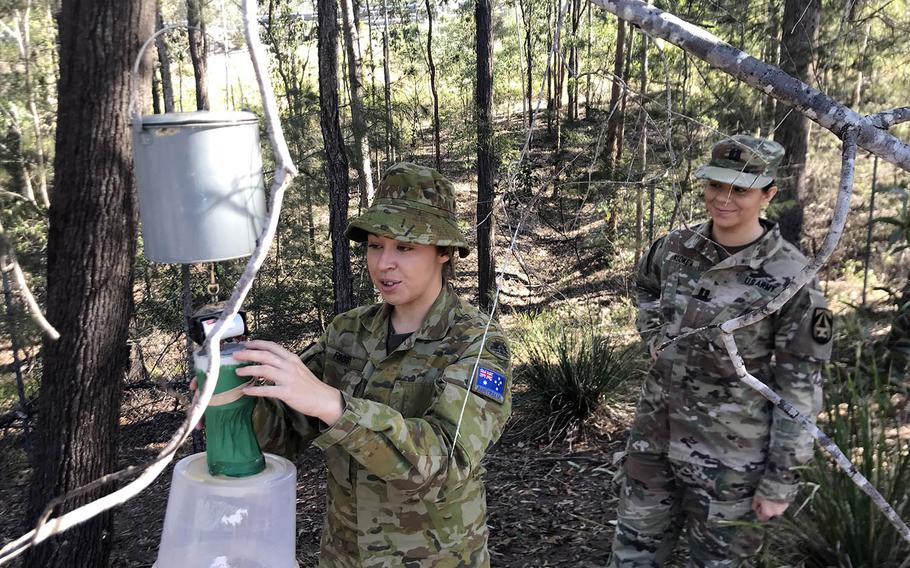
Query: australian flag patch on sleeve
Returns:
{"type": "Point", "coordinates": [490, 384]}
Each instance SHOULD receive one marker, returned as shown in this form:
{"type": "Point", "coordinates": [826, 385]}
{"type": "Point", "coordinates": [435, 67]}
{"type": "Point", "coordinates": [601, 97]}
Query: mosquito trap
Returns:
{"type": "Point", "coordinates": [231, 506]}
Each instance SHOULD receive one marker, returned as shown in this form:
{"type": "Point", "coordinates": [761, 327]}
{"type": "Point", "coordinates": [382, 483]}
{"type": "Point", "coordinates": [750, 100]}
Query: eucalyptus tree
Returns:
{"type": "Point", "coordinates": [91, 251]}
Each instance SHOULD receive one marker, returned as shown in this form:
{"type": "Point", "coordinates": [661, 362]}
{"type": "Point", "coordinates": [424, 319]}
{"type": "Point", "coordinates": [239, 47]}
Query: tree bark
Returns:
{"type": "Point", "coordinates": [527, 18]}
{"type": "Point", "coordinates": [14, 162]}
{"type": "Point", "coordinates": [589, 64]}
{"type": "Point", "coordinates": [800, 25]}
{"type": "Point", "coordinates": [336, 161]}
{"type": "Point", "coordinates": [25, 54]}
{"type": "Point", "coordinates": [643, 154]}
{"type": "Point", "coordinates": [164, 65]}
{"type": "Point", "coordinates": [572, 110]}
{"type": "Point", "coordinates": [358, 116]}
{"type": "Point", "coordinates": [198, 44]}
{"type": "Point", "coordinates": [621, 114]}
{"type": "Point", "coordinates": [433, 90]}
{"type": "Point", "coordinates": [616, 90]}
{"type": "Point", "coordinates": [483, 98]}
{"type": "Point", "coordinates": [91, 247]}
{"type": "Point", "coordinates": [387, 86]}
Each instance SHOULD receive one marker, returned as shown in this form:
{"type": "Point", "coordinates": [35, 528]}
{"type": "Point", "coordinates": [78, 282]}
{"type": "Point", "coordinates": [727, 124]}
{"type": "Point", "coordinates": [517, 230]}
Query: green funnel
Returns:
{"type": "Point", "coordinates": [231, 445]}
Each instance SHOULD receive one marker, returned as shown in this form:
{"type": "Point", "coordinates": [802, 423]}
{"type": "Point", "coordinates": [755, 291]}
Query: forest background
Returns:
{"type": "Point", "coordinates": [601, 168]}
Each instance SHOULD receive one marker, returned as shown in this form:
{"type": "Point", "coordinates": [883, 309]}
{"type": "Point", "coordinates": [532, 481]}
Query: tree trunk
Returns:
{"type": "Point", "coordinates": [336, 161]}
{"type": "Point", "coordinates": [771, 54]}
{"type": "Point", "coordinates": [387, 84]}
{"type": "Point", "coordinates": [800, 25]}
{"type": "Point", "coordinates": [551, 62]}
{"type": "Point", "coordinates": [164, 65]}
{"type": "Point", "coordinates": [527, 18]}
{"type": "Point", "coordinates": [559, 72]}
{"type": "Point", "coordinates": [857, 98]}
{"type": "Point", "coordinates": [642, 154]}
{"type": "Point", "coordinates": [433, 90]}
{"type": "Point", "coordinates": [572, 110]}
{"type": "Point", "coordinates": [14, 162]}
{"type": "Point", "coordinates": [358, 116]}
{"type": "Point", "coordinates": [616, 91]}
{"type": "Point", "coordinates": [25, 55]}
{"type": "Point", "coordinates": [621, 114]}
{"type": "Point", "coordinates": [91, 247]}
{"type": "Point", "coordinates": [589, 64]}
{"type": "Point", "coordinates": [483, 98]}
{"type": "Point", "coordinates": [198, 43]}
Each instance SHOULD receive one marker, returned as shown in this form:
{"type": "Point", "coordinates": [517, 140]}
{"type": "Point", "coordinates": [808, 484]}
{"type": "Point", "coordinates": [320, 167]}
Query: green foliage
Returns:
{"type": "Point", "coordinates": [833, 523]}
{"type": "Point", "coordinates": [572, 370]}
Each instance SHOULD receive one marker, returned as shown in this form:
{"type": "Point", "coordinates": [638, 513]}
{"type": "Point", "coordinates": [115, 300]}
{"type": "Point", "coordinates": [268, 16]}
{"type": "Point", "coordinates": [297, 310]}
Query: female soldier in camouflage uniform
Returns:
{"type": "Point", "coordinates": [704, 448]}
{"type": "Point", "coordinates": [384, 389]}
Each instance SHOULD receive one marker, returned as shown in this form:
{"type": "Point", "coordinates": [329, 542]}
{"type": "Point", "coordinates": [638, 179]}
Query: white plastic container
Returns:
{"type": "Point", "coordinates": [201, 190]}
{"type": "Point", "coordinates": [226, 522]}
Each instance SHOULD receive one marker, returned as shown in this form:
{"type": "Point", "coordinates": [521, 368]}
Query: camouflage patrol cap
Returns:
{"type": "Point", "coordinates": [413, 204]}
{"type": "Point", "coordinates": [743, 161]}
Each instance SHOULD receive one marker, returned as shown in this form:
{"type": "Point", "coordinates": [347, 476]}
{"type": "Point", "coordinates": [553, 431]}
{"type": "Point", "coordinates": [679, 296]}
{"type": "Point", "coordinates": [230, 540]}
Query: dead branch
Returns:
{"type": "Point", "coordinates": [889, 118]}
{"type": "Point", "coordinates": [8, 263]}
{"type": "Point", "coordinates": [816, 105]}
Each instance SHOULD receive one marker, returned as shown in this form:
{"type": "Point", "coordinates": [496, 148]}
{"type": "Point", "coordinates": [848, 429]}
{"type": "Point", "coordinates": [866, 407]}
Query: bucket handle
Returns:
{"type": "Point", "coordinates": [135, 115]}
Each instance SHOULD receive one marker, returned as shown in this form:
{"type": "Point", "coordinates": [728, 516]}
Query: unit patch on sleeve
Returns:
{"type": "Point", "coordinates": [499, 348]}
{"type": "Point", "coordinates": [822, 325]}
{"type": "Point", "coordinates": [490, 384]}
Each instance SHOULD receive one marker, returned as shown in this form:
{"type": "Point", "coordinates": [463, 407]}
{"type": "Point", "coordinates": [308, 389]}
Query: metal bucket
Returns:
{"type": "Point", "coordinates": [201, 192]}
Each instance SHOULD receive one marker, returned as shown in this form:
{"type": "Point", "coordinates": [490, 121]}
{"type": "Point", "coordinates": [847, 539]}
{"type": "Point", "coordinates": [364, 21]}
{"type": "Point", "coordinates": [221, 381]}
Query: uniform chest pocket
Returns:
{"type": "Point", "coordinates": [342, 370]}
{"type": "Point", "coordinates": [674, 296]}
{"type": "Point", "coordinates": [413, 398]}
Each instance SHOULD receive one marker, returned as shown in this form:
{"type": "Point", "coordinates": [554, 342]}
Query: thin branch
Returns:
{"type": "Point", "coordinates": [48, 527]}
{"type": "Point", "coordinates": [8, 263]}
{"type": "Point", "coordinates": [814, 104]}
{"type": "Point", "coordinates": [889, 118]}
{"type": "Point", "coordinates": [823, 440]}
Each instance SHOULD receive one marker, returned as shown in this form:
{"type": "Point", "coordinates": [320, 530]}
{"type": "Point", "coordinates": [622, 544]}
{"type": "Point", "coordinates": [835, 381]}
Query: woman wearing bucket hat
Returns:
{"type": "Point", "coordinates": [704, 450]}
{"type": "Point", "coordinates": [404, 396]}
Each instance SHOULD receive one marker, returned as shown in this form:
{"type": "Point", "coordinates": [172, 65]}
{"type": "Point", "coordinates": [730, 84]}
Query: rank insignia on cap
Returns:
{"type": "Point", "coordinates": [490, 384]}
{"type": "Point", "coordinates": [822, 325]}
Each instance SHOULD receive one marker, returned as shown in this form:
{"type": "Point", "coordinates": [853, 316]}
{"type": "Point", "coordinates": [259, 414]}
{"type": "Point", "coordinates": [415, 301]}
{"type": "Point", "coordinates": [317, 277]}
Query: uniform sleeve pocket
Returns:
{"type": "Point", "coordinates": [414, 398]}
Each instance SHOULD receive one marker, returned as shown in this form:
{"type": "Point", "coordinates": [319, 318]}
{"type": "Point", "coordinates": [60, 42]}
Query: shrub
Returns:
{"type": "Point", "coordinates": [572, 371]}
{"type": "Point", "coordinates": [836, 524]}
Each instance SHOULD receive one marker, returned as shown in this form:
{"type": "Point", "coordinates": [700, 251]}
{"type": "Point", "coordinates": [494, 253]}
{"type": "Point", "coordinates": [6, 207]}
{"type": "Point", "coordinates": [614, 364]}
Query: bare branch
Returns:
{"type": "Point", "coordinates": [889, 118]}
{"type": "Point", "coordinates": [48, 527]}
{"type": "Point", "coordinates": [816, 105]}
{"type": "Point", "coordinates": [8, 263]}
{"type": "Point", "coordinates": [823, 440]}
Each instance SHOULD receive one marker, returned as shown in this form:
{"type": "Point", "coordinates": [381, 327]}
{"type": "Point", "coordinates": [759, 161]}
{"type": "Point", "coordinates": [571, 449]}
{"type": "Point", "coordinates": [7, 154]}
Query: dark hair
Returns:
{"type": "Point", "coordinates": [768, 187]}
{"type": "Point", "coordinates": [448, 269]}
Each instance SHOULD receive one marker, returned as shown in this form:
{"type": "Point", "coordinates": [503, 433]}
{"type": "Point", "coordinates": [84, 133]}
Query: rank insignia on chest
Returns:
{"type": "Point", "coordinates": [490, 384]}
{"type": "Point", "coordinates": [822, 325]}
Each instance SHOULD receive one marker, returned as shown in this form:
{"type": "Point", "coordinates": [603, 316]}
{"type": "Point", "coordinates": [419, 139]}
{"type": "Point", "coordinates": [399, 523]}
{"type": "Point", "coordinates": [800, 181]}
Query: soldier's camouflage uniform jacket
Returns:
{"type": "Point", "coordinates": [692, 407]}
{"type": "Point", "coordinates": [395, 497]}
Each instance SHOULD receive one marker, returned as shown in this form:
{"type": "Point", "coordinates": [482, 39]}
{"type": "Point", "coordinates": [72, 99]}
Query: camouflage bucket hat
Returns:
{"type": "Point", "coordinates": [743, 161]}
{"type": "Point", "coordinates": [413, 204]}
